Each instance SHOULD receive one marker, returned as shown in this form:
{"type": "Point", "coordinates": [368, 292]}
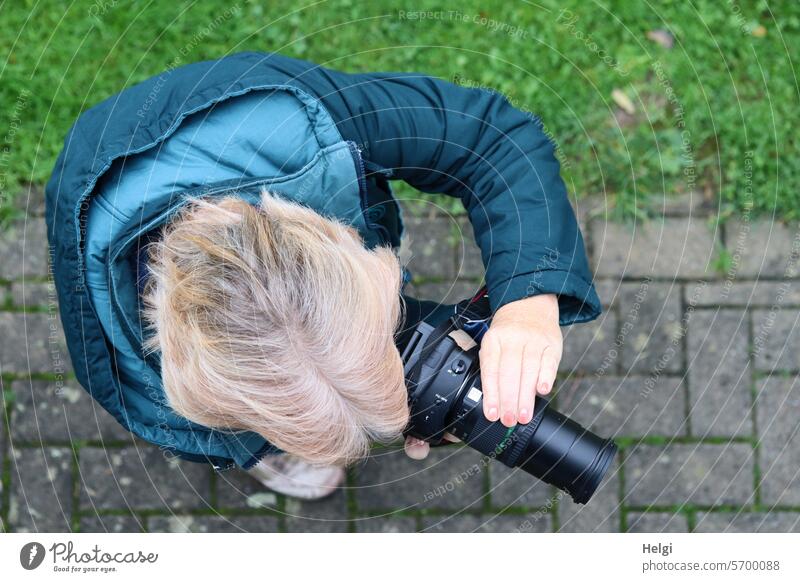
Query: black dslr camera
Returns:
{"type": "Point", "coordinates": [444, 394]}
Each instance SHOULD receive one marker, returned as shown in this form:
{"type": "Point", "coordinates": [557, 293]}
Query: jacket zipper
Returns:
{"type": "Point", "coordinates": [360, 172]}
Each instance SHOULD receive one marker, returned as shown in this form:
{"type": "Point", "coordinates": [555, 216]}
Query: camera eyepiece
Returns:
{"type": "Point", "coordinates": [445, 394]}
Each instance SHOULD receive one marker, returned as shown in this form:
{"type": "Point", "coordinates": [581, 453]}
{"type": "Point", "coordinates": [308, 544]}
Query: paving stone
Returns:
{"type": "Point", "coordinates": [749, 293]}
{"type": "Point", "coordinates": [33, 294]}
{"type": "Point", "coordinates": [213, 524]}
{"type": "Point", "coordinates": [608, 290]}
{"type": "Point", "coordinates": [516, 488]}
{"type": "Point", "coordinates": [601, 514]}
{"type": "Point", "coordinates": [140, 478]}
{"type": "Point", "coordinates": [745, 522]}
{"type": "Point", "coordinates": [670, 247]}
{"type": "Point", "coordinates": [487, 523]}
{"type": "Point", "coordinates": [386, 525]}
{"type": "Point", "coordinates": [32, 342]}
{"type": "Point", "coordinates": [23, 246]}
{"type": "Point", "coordinates": [451, 292]}
{"type": "Point", "coordinates": [776, 339]}
{"type": "Point", "coordinates": [111, 524]}
{"type": "Point", "coordinates": [41, 489]}
{"type": "Point", "coordinates": [657, 522]}
{"type": "Point", "coordinates": [686, 204]}
{"type": "Point", "coordinates": [778, 408]}
{"type": "Point", "coordinates": [631, 406]}
{"type": "Point", "coordinates": [469, 263]}
{"type": "Point", "coordinates": [763, 248]}
{"type": "Point", "coordinates": [587, 345]}
{"type": "Point", "coordinates": [430, 247]}
{"type": "Point", "coordinates": [324, 515]}
{"type": "Point", "coordinates": [60, 411]}
{"type": "Point", "coordinates": [238, 490]}
{"type": "Point", "coordinates": [720, 385]}
{"type": "Point", "coordinates": [650, 327]}
{"type": "Point", "coordinates": [451, 477]}
{"type": "Point", "coordinates": [31, 200]}
{"type": "Point", "coordinates": [702, 474]}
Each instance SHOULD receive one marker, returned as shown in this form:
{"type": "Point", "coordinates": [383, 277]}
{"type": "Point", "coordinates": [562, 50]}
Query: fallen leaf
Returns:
{"type": "Point", "coordinates": [661, 37]}
{"type": "Point", "coordinates": [623, 101]}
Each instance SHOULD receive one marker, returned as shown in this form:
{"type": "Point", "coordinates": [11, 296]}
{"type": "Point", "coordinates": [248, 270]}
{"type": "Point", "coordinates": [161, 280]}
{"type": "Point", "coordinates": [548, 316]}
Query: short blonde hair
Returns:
{"type": "Point", "coordinates": [278, 320]}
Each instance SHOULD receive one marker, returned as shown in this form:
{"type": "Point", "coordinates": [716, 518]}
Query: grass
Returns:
{"type": "Point", "coordinates": [714, 115]}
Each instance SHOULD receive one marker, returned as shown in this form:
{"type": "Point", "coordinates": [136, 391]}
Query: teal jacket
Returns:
{"type": "Point", "coordinates": [331, 140]}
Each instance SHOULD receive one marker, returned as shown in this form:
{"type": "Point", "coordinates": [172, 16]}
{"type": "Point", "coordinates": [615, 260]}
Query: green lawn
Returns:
{"type": "Point", "coordinates": [716, 114]}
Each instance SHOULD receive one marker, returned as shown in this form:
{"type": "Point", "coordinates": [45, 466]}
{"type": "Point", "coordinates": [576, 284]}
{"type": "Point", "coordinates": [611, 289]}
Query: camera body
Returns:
{"type": "Point", "coordinates": [445, 396]}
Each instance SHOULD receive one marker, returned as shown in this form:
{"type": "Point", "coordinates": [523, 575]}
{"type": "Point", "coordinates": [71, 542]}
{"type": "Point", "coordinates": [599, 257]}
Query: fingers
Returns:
{"type": "Point", "coordinates": [416, 449]}
{"type": "Point", "coordinates": [509, 377]}
{"type": "Point", "coordinates": [531, 371]}
{"type": "Point", "coordinates": [547, 371]}
{"type": "Point", "coordinates": [490, 366]}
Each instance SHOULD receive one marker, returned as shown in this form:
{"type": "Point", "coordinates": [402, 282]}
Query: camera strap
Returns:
{"type": "Point", "coordinates": [474, 315]}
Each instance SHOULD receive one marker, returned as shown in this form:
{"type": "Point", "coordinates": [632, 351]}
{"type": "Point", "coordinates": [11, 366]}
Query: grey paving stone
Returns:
{"type": "Point", "coordinates": [745, 522]}
{"type": "Point", "coordinates": [451, 477]}
{"type": "Point", "coordinates": [608, 290]}
{"type": "Point", "coordinates": [450, 292]}
{"type": "Point", "coordinates": [657, 522]}
{"type": "Point", "coordinates": [324, 515]}
{"type": "Point", "coordinates": [41, 489]}
{"type": "Point", "coordinates": [670, 247]}
{"type": "Point", "coordinates": [749, 293]}
{"type": "Point", "coordinates": [60, 411]}
{"type": "Point", "coordinates": [33, 294]}
{"type": "Point", "coordinates": [32, 342]}
{"type": "Point", "coordinates": [23, 246]}
{"type": "Point", "coordinates": [632, 406]}
{"type": "Point", "coordinates": [140, 478]}
{"type": "Point", "coordinates": [111, 524]}
{"type": "Point", "coordinates": [487, 523]}
{"type": "Point", "coordinates": [238, 490]}
{"type": "Point", "coordinates": [776, 339]}
{"type": "Point", "coordinates": [469, 263]}
{"type": "Point", "coordinates": [763, 247]}
{"type": "Point", "coordinates": [516, 488]}
{"type": "Point", "coordinates": [778, 408]}
{"type": "Point", "coordinates": [31, 200]}
{"type": "Point", "coordinates": [720, 382]}
{"type": "Point", "coordinates": [601, 514]}
{"type": "Point", "coordinates": [386, 525]}
{"type": "Point", "coordinates": [429, 243]}
{"type": "Point", "coordinates": [701, 474]}
{"type": "Point", "coordinates": [650, 327]}
{"type": "Point", "coordinates": [588, 345]}
{"type": "Point", "coordinates": [213, 524]}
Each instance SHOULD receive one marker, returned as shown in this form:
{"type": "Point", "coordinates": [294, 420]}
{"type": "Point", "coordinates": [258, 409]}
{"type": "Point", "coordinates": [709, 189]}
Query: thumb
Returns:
{"type": "Point", "coordinates": [416, 449]}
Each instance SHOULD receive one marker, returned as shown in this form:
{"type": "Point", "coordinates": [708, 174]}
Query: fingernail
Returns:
{"type": "Point", "coordinates": [544, 388]}
{"type": "Point", "coordinates": [508, 418]}
{"type": "Point", "coordinates": [493, 413]}
{"type": "Point", "coordinates": [523, 416]}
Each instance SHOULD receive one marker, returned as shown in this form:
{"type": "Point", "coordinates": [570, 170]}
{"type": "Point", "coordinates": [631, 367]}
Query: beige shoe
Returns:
{"type": "Point", "coordinates": [294, 477]}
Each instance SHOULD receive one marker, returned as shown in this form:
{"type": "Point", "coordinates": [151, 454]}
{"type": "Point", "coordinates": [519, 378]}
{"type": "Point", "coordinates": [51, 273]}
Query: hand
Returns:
{"type": "Point", "coordinates": [519, 357]}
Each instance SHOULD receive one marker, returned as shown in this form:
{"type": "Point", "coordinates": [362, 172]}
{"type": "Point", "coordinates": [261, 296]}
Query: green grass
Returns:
{"type": "Point", "coordinates": [728, 85]}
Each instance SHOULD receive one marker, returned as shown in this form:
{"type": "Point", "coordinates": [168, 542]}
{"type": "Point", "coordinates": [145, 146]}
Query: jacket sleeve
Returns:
{"type": "Point", "coordinates": [473, 144]}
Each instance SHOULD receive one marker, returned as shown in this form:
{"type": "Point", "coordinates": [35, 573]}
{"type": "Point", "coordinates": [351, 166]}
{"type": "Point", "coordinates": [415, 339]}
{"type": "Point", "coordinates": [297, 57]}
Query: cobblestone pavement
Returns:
{"type": "Point", "coordinates": [693, 368]}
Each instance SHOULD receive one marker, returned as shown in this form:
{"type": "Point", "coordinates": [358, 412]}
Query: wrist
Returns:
{"type": "Point", "coordinates": [544, 306]}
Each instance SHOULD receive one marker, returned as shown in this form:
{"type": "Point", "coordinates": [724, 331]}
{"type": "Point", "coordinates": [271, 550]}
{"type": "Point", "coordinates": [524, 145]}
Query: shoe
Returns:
{"type": "Point", "coordinates": [294, 477]}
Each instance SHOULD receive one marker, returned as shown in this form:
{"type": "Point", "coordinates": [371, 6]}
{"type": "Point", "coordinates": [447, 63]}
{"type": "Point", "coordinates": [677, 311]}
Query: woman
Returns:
{"type": "Point", "coordinates": [224, 240]}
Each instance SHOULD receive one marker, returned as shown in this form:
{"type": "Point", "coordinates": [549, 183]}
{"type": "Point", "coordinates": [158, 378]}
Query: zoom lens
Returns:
{"type": "Point", "coordinates": [445, 395]}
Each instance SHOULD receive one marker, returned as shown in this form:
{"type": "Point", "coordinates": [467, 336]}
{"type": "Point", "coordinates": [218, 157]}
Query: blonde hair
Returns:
{"type": "Point", "coordinates": [278, 320]}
